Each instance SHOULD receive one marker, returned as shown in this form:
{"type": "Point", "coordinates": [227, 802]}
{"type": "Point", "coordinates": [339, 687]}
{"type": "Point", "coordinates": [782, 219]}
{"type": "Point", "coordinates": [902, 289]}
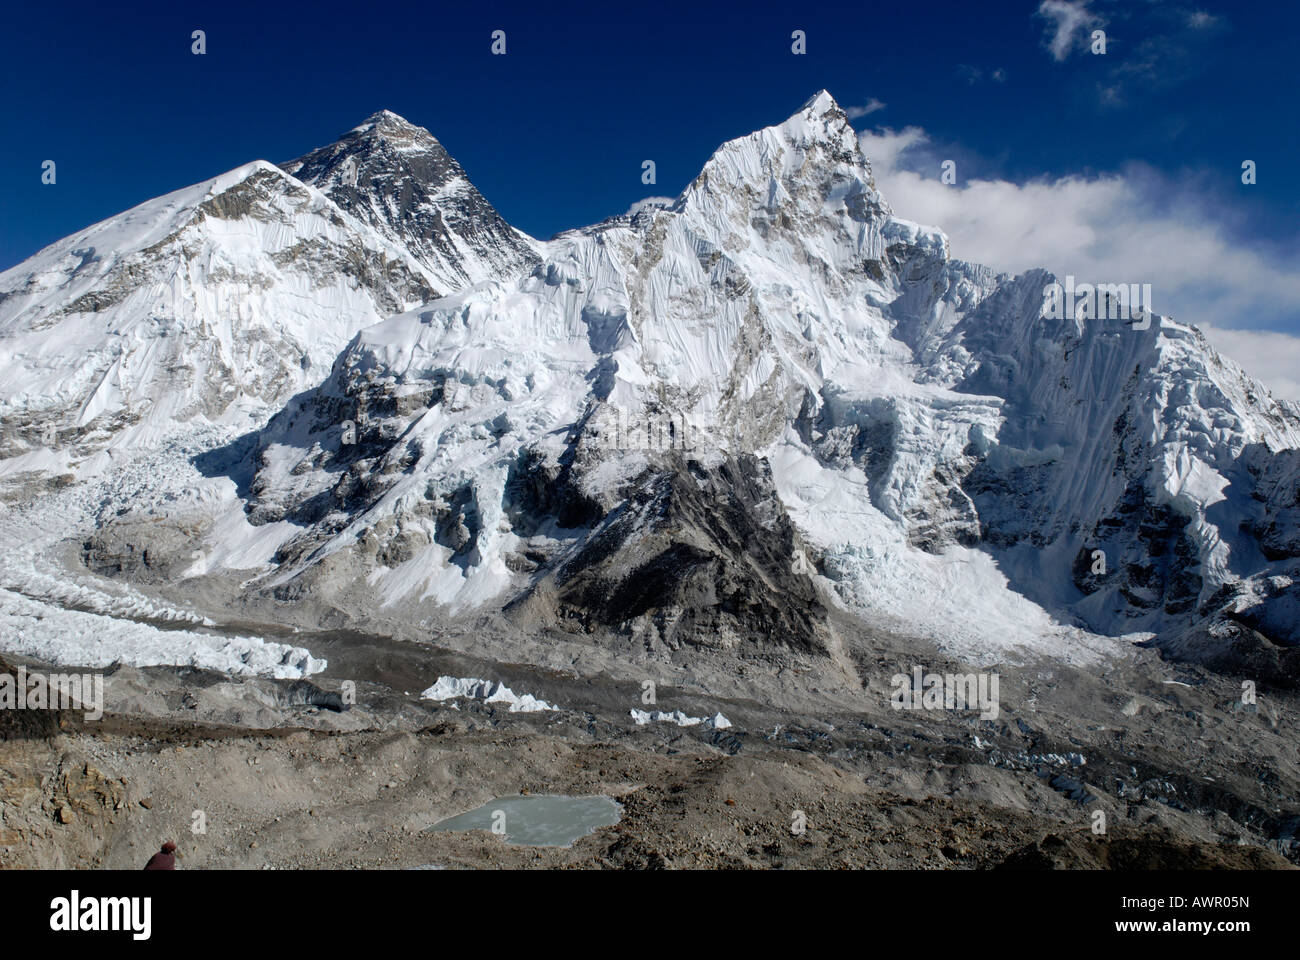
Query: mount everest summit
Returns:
{"type": "Point", "coordinates": [728, 424]}
{"type": "Point", "coordinates": [218, 302]}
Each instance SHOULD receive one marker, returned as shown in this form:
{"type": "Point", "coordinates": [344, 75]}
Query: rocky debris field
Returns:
{"type": "Point", "coordinates": [263, 774]}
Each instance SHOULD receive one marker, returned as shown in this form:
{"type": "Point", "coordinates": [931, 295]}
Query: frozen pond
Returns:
{"type": "Point", "coordinates": [540, 821]}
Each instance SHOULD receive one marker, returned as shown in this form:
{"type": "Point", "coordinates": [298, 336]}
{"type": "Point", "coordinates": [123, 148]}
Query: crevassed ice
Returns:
{"type": "Point", "coordinates": [489, 691]}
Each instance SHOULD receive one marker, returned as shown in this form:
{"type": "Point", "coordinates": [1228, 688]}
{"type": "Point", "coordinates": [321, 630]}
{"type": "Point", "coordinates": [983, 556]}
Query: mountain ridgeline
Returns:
{"type": "Point", "coordinates": [716, 424]}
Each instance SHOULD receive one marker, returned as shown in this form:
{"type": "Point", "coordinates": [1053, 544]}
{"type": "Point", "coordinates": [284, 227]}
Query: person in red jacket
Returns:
{"type": "Point", "coordinates": [166, 860]}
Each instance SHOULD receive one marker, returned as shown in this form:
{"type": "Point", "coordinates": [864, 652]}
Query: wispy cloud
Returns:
{"type": "Point", "coordinates": [1069, 23]}
{"type": "Point", "coordinates": [973, 75]}
{"type": "Point", "coordinates": [871, 106]}
{"type": "Point", "coordinates": [1161, 45]}
{"type": "Point", "coordinates": [1134, 226]}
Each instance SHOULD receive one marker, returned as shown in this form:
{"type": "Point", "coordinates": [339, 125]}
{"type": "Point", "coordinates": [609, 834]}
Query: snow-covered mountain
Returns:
{"type": "Point", "coordinates": [398, 179]}
{"type": "Point", "coordinates": [678, 421]}
{"type": "Point", "coordinates": [218, 302]}
{"type": "Point", "coordinates": [707, 424]}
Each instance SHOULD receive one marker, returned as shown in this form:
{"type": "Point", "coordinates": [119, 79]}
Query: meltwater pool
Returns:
{"type": "Point", "coordinates": [539, 821]}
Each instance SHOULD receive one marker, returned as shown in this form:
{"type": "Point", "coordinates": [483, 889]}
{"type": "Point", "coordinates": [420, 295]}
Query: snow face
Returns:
{"type": "Point", "coordinates": [213, 304]}
{"type": "Point", "coordinates": [218, 302]}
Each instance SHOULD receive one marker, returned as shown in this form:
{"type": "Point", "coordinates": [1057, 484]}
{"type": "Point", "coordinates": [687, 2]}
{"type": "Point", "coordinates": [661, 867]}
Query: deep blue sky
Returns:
{"type": "Point", "coordinates": [554, 132]}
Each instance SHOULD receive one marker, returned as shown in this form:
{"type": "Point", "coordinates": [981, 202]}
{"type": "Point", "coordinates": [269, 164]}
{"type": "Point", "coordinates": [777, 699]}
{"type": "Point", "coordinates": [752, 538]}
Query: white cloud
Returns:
{"type": "Point", "coordinates": [871, 106]}
{"type": "Point", "coordinates": [1130, 227]}
{"type": "Point", "coordinates": [1069, 19]}
{"type": "Point", "coordinates": [640, 205]}
{"type": "Point", "coordinates": [973, 75]}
